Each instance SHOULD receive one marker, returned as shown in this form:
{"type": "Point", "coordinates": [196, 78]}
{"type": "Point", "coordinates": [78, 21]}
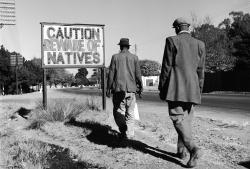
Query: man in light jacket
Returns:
{"type": "Point", "coordinates": [124, 81]}
{"type": "Point", "coordinates": [181, 83]}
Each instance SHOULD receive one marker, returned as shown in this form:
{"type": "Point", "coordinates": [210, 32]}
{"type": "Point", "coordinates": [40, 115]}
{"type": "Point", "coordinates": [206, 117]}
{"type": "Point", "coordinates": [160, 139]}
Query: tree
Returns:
{"type": "Point", "coordinates": [239, 33]}
{"type": "Point", "coordinates": [149, 68]}
{"type": "Point", "coordinates": [4, 65]}
{"type": "Point", "coordinates": [81, 77]}
{"type": "Point", "coordinates": [33, 66]}
{"type": "Point", "coordinates": [218, 55]}
{"type": "Point", "coordinates": [96, 76]}
{"type": "Point", "coordinates": [59, 76]}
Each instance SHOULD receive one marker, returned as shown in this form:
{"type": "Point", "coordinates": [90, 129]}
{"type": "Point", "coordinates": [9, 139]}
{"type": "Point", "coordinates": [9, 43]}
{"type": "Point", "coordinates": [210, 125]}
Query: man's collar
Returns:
{"type": "Point", "coordinates": [124, 51]}
{"type": "Point", "coordinates": [184, 31]}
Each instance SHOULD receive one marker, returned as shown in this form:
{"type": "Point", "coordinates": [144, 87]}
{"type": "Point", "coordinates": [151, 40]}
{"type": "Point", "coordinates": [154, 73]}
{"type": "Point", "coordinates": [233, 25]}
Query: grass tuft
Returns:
{"type": "Point", "coordinates": [93, 103]}
{"type": "Point", "coordinates": [58, 110]}
{"type": "Point", "coordinates": [62, 110]}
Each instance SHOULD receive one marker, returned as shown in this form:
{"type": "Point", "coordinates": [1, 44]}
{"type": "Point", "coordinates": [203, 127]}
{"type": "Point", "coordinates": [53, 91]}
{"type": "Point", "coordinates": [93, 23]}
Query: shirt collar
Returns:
{"type": "Point", "coordinates": [124, 51]}
{"type": "Point", "coordinates": [184, 31]}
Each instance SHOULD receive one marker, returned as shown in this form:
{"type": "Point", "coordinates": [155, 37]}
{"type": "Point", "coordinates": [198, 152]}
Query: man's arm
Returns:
{"type": "Point", "coordinates": [167, 61]}
{"type": "Point", "coordinates": [201, 66]}
{"type": "Point", "coordinates": [111, 76]}
{"type": "Point", "coordinates": [138, 75]}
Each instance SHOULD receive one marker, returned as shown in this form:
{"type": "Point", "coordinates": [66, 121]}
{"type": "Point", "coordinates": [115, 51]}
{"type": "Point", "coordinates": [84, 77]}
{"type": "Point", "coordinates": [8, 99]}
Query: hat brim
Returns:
{"type": "Point", "coordinates": [120, 44]}
{"type": "Point", "coordinates": [181, 25]}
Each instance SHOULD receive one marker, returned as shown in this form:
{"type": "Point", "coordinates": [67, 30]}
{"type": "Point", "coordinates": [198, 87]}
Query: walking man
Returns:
{"type": "Point", "coordinates": [181, 83]}
{"type": "Point", "coordinates": [124, 81]}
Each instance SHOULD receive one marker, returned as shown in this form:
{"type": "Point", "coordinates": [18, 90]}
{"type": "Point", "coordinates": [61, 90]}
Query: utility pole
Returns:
{"type": "Point", "coordinates": [16, 67]}
{"type": "Point", "coordinates": [135, 49]}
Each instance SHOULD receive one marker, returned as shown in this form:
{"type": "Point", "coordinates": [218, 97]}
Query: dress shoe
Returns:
{"type": "Point", "coordinates": [195, 154]}
{"type": "Point", "coordinates": [123, 136]}
{"type": "Point", "coordinates": [182, 155]}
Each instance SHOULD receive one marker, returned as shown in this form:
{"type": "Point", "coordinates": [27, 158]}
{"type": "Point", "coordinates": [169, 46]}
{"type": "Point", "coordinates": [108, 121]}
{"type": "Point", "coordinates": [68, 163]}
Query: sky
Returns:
{"type": "Point", "coordinates": [146, 23]}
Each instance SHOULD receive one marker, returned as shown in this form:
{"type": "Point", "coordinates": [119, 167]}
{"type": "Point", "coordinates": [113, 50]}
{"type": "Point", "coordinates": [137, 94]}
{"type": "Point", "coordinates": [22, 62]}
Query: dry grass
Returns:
{"type": "Point", "coordinates": [62, 110]}
{"type": "Point", "coordinates": [22, 153]}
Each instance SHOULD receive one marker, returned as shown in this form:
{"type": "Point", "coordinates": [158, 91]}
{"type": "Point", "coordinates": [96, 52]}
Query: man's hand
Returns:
{"type": "Point", "coordinates": [162, 96]}
{"type": "Point", "coordinates": [139, 91]}
{"type": "Point", "coordinates": [108, 93]}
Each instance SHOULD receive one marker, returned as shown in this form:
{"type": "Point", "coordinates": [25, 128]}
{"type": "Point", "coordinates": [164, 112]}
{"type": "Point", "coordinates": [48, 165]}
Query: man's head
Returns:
{"type": "Point", "coordinates": [181, 24]}
{"type": "Point", "coordinates": [124, 43]}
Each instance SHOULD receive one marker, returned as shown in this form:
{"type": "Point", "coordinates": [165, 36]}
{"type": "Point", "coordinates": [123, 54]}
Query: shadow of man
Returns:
{"type": "Point", "coordinates": [105, 135]}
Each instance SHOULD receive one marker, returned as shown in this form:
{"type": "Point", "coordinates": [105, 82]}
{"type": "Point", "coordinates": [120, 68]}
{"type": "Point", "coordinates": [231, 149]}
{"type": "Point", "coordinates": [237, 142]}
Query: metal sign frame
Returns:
{"type": "Point", "coordinates": [102, 67]}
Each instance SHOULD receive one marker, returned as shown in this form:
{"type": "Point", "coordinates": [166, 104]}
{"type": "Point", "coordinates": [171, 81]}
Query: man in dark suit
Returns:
{"type": "Point", "coordinates": [181, 83]}
{"type": "Point", "coordinates": [124, 81]}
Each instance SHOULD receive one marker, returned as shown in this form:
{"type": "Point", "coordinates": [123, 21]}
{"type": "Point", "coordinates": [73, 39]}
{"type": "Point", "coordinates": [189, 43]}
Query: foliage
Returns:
{"type": "Point", "coordinates": [238, 29]}
{"type": "Point", "coordinates": [218, 56]}
{"type": "Point", "coordinates": [7, 73]}
{"type": "Point", "coordinates": [4, 65]}
{"type": "Point", "coordinates": [81, 77]}
{"type": "Point", "coordinates": [96, 76]}
{"type": "Point", "coordinates": [149, 68]}
{"type": "Point", "coordinates": [59, 76]}
{"type": "Point", "coordinates": [34, 71]}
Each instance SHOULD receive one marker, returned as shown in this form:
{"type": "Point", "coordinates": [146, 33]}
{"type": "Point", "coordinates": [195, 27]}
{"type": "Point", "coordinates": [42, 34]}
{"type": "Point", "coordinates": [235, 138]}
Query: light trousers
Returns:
{"type": "Point", "coordinates": [123, 111]}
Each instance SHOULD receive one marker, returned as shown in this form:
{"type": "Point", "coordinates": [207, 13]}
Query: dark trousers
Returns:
{"type": "Point", "coordinates": [181, 113]}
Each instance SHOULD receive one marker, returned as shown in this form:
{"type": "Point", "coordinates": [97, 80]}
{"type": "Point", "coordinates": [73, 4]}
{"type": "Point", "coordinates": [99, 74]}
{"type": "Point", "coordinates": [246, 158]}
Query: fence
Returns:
{"type": "Point", "coordinates": [227, 81]}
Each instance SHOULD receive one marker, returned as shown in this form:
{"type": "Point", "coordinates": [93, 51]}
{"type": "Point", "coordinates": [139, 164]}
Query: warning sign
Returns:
{"type": "Point", "coordinates": [72, 45]}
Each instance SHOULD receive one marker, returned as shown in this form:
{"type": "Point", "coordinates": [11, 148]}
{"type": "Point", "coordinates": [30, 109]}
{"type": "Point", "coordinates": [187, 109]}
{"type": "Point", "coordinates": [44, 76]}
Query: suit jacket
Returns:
{"type": "Point", "coordinates": [183, 65]}
{"type": "Point", "coordinates": [124, 73]}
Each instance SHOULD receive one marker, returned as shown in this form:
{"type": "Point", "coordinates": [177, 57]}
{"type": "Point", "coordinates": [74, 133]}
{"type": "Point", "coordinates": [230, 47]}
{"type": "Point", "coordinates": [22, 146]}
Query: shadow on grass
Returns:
{"type": "Point", "coordinates": [59, 158]}
{"type": "Point", "coordinates": [23, 112]}
{"type": "Point", "coordinates": [245, 164]}
{"type": "Point", "coordinates": [104, 135]}
{"type": "Point", "coordinates": [37, 154]}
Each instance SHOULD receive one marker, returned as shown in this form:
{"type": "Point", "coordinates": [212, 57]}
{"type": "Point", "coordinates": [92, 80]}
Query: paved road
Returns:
{"type": "Point", "coordinates": [230, 108]}
{"type": "Point", "coordinates": [221, 107]}
{"type": "Point", "coordinates": [240, 102]}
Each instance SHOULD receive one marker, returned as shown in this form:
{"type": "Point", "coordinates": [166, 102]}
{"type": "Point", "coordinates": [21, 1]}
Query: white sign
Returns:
{"type": "Point", "coordinates": [68, 45]}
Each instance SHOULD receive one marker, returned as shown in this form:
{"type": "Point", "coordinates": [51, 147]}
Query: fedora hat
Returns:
{"type": "Point", "coordinates": [180, 21]}
{"type": "Point", "coordinates": [124, 42]}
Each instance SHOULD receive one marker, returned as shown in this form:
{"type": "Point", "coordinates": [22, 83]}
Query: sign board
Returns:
{"type": "Point", "coordinates": [16, 60]}
{"type": "Point", "coordinates": [72, 45]}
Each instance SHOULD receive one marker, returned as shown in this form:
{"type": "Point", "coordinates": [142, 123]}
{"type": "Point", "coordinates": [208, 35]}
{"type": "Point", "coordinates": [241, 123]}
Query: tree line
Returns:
{"type": "Point", "coordinates": [228, 53]}
{"type": "Point", "coordinates": [227, 45]}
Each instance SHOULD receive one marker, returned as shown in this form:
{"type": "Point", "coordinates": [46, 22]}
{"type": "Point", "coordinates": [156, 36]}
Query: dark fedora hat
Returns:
{"type": "Point", "coordinates": [181, 21]}
{"type": "Point", "coordinates": [124, 42]}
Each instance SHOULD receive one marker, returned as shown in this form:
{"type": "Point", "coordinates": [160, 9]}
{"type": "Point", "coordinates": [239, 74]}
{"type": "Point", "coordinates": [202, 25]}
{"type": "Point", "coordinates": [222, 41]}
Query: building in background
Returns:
{"type": "Point", "coordinates": [150, 80]}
